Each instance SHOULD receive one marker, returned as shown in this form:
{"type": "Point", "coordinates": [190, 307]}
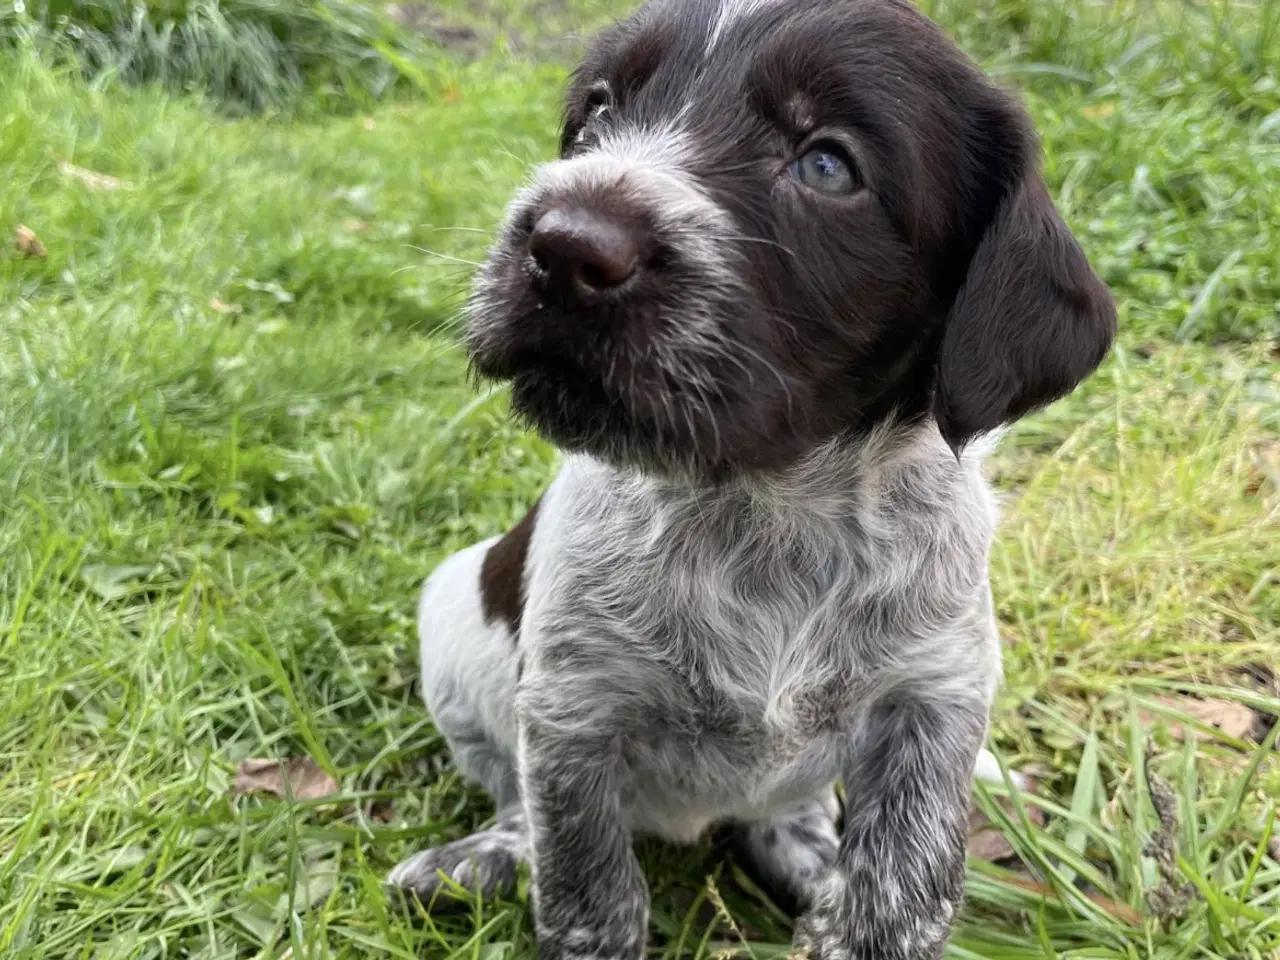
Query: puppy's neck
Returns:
{"type": "Point", "coordinates": [839, 481]}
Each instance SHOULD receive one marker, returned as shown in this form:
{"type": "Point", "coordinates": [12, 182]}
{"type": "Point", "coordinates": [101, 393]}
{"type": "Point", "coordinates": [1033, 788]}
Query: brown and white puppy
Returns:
{"type": "Point", "coordinates": [795, 257]}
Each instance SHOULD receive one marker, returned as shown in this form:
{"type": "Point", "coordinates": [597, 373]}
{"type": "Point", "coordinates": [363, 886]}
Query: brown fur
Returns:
{"type": "Point", "coordinates": [502, 573]}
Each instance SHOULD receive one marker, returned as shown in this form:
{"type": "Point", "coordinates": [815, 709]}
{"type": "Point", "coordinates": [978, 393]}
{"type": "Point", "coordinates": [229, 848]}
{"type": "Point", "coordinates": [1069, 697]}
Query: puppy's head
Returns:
{"type": "Point", "coordinates": [775, 221]}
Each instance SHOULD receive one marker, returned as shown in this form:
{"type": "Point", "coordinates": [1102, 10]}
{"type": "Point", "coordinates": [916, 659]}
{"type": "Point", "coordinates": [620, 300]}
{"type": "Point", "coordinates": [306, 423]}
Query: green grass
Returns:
{"type": "Point", "coordinates": [246, 55]}
{"type": "Point", "coordinates": [235, 433]}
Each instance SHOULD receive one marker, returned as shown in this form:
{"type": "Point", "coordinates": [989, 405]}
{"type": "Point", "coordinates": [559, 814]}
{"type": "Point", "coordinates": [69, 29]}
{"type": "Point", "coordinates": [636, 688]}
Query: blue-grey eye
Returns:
{"type": "Point", "coordinates": [826, 168]}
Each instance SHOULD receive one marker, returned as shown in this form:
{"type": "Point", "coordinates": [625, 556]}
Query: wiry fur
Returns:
{"type": "Point", "coordinates": [763, 566]}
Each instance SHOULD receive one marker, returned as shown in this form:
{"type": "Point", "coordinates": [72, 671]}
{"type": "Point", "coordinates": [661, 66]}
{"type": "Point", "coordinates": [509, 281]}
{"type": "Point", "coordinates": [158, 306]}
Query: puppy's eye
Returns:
{"type": "Point", "coordinates": [594, 104]}
{"type": "Point", "coordinates": [827, 169]}
{"type": "Point", "coordinates": [597, 100]}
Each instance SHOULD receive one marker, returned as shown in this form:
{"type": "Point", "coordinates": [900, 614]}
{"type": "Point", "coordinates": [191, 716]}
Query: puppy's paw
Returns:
{"type": "Point", "coordinates": [840, 925]}
{"type": "Point", "coordinates": [486, 863]}
{"type": "Point", "coordinates": [792, 852]}
{"type": "Point", "coordinates": [623, 942]}
{"type": "Point", "coordinates": [615, 928]}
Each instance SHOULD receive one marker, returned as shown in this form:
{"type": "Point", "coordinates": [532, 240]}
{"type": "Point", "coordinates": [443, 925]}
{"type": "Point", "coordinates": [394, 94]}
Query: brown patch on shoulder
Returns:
{"type": "Point", "coordinates": [502, 573]}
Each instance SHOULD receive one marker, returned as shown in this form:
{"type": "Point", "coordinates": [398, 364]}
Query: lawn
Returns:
{"type": "Point", "coordinates": [236, 433]}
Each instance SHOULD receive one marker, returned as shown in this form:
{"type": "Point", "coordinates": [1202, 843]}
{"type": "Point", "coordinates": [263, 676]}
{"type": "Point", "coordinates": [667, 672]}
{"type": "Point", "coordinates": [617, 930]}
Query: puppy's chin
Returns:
{"type": "Point", "coordinates": [574, 410]}
{"type": "Point", "coordinates": [625, 408]}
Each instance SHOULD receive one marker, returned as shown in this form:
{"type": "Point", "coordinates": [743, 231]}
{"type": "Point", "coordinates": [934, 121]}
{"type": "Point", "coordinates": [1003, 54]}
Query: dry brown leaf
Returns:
{"type": "Point", "coordinates": [986, 842]}
{"type": "Point", "coordinates": [1273, 848]}
{"type": "Point", "coordinates": [298, 777]}
{"type": "Point", "coordinates": [380, 811]}
{"type": "Point", "coordinates": [1265, 467]}
{"type": "Point", "coordinates": [92, 179]}
{"type": "Point", "coordinates": [28, 243]}
{"type": "Point", "coordinates": [1098, 111]}
{"type": "Point", "coordinates": [1121, 911]}
{"type": "Point", "coordinates": [1234, 719]}
{"type": "Point", "coordinates": [221, 306]}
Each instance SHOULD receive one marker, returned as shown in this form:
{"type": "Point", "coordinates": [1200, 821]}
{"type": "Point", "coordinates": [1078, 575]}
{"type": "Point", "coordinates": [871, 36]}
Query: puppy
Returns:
{"type": "Point", "coordinates": [795, 257]}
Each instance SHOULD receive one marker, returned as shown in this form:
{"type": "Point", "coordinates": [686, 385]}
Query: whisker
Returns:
{"type": "Point", "coordinates": [445, 256]}
{"type": "Point", "coordinates": [435, 229]}
{"type": "Point", "coordinates": [523, 161]}
{"type": "Point", "coordinates": [731, 238]}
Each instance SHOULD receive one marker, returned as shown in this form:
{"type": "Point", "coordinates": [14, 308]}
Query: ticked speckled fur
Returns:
{"type": "Point", "coordinates": [693, 656]}
{"type": "Point", "coordinates": [763, 566]}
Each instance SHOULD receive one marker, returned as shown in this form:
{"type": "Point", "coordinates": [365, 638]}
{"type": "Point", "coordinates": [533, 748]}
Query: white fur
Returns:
{"type": "Point", "coordinates": [468, 665]}
{"type": "Point", "coordinates": [669, 592]}
{"type": "Point", "coordinates": [730, 12]}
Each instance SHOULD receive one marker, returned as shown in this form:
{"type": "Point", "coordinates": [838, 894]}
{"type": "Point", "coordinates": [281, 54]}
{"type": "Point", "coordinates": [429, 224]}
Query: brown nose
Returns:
{"type": "Point", "coordinates": [581, 253]}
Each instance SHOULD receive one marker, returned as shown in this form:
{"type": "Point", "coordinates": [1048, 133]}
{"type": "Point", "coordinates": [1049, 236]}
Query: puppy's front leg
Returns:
{"type": "Point", "coordinates": [590, 898]}
{"type": "Point", "coordinates": [898, 880]}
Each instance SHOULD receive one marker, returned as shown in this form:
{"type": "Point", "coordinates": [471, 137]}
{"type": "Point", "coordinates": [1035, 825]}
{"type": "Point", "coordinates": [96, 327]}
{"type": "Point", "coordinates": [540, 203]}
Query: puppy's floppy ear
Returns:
{"type": "Point", "coordinates": [1031, 320]}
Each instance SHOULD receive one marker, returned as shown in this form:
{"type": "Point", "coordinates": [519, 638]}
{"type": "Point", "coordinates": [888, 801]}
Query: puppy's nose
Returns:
{"type": "Point", "coordinates": [581, 253]}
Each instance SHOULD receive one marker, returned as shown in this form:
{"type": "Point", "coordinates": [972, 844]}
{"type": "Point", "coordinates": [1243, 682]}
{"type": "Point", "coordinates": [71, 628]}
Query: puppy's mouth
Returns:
{"type": "Point", "coordinates": [609, 397]}
{"type": "Point", "coordinates": [669, 381]}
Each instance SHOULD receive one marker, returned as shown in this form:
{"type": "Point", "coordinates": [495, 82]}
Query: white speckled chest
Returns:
{"type": "Point", "coordinates": [723, 643]}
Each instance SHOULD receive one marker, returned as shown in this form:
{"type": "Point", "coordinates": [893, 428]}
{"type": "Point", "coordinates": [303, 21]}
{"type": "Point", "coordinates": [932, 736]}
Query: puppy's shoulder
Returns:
{"type": "Point", "coordinates": [503, 571]}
